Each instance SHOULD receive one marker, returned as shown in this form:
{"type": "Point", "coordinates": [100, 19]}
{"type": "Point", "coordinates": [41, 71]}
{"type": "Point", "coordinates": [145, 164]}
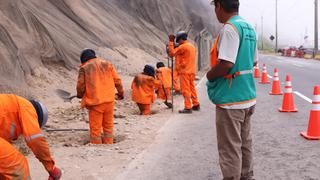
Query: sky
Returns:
{"type": "Point", "coordinates": [295, 19]}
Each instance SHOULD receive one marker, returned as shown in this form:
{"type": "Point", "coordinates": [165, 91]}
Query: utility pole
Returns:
{"type": "Point", "coordinates": [316, 25]}
{"type": "Point", "coordinates": [276, 26]}
{"type": "Point", "coordinates": [262, 33]}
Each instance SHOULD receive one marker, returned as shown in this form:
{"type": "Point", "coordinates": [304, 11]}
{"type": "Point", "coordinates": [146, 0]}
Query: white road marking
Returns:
{"type": "Point", "coordinates": [298, 65]}
{"type": "Point", "coordinates": [303, 96]}
{"type": "Point", "coordinates": [269, 76]}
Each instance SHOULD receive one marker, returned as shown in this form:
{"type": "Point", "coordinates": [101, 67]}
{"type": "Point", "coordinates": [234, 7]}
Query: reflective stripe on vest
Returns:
{"type": "Point", "coordinates": [35, 136]}
{"type": "Point", "coordinates": [12, 129]}
{"type": "Point", "coordinates": [239, 73]}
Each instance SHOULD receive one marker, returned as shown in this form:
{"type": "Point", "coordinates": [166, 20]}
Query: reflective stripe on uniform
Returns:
{"type": "Point", "coordinates": [12, 129]}
{"type": "Point", "coordinates": [108, 136]}
{"type": "Point", "coordinates": [246, 72]}
{"type": "Point", "coordinates": [35, 136]}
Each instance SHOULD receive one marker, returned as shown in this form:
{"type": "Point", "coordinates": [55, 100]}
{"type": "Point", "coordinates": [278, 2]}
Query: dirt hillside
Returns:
{"type": "Point", "coordinates": [36, 34]}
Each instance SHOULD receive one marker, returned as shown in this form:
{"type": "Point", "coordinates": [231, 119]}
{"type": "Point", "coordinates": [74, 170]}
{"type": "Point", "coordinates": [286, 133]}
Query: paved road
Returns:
{"type": "Point", "coordinates": [305, 73]}
{"type": "Point", "coordinates": [185, 148]}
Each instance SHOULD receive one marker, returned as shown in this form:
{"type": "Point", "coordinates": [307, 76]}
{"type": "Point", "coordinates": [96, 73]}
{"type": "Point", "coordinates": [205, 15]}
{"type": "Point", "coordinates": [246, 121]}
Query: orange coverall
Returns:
{"type": "Point", "coordinates": [143, 88]}
{"type": "Point", "coordinates": [96, 86]}
{"type": "Point", "coordinates": [163, 74]}
{"type": "Point", "coordinates": [185, 56]}
{"type": "Point", "coordinates": [18, 117]}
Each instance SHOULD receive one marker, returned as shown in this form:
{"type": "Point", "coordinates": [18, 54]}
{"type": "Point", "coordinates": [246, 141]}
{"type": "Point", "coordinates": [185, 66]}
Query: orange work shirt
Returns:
{"type": "Point", "coordinates": [185, 56]}
{"type": "Point", "coordinates": [143, 88]}
{"type": "Point", "coordinates": [163, 74]}
{"type": "Point", "coordinates": [97, 81]}
{"type": "Point", "coordinates": [18, 116]}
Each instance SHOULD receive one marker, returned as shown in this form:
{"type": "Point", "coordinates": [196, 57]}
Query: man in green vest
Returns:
{"type": "Point", "coordinates": [231, 87]}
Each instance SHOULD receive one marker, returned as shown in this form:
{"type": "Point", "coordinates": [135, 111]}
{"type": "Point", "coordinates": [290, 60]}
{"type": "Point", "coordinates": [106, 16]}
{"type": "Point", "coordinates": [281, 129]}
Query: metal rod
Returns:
{"type": "Point", "coordinates": [276, 49]}
{"type": "Point", "coordinates": [316, 46]}
{"type": "Point", "coordinates": [65, 130]}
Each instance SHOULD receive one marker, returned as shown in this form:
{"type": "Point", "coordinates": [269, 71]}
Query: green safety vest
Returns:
{"type": "Point", "coordinates": [241, 88]}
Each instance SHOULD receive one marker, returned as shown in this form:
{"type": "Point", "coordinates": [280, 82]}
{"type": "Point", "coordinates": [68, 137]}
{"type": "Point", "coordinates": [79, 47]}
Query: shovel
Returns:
{"type": "Point", "coordinates": [65, 95]}
{"type": "Point", "coordinates": [169, 105]}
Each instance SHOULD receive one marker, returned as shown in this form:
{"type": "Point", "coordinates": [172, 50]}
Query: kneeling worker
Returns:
{"type": "Point", "coordinates": [143, 88]}
{"type": "Point", "coordinates": [23, 117]}
{"type": "Point", "coordinates": [96, 86]}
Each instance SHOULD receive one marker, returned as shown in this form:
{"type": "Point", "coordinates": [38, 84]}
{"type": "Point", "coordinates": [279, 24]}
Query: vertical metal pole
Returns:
{"type": "Point", "coordinates": [276, 26]}
{"type": "Point", "coordinates": [262, 33]}
{"type": "Point", "coordinates": [172, 83]}
{"type": "Point", "coordinates": [316, 25]}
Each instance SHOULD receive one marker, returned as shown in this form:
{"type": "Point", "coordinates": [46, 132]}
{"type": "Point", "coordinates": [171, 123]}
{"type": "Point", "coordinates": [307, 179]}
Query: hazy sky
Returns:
{"type": "Point", "coordinates": [295, 19]}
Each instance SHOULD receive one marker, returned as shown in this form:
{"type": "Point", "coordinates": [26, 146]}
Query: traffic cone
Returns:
{"type": "Point", "coordinates": [288, 100]}
{"type": "Point", "coordinates": [276, 89]}
{"type": "Point", "coordinates": [256, 71]}
{"type": "Point", "coordinates": [264, 77]}
{"type": "Point", "coordinates": [313, 132]}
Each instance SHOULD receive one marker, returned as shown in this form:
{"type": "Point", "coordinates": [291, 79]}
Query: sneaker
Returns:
{"type": "Point", "coordinates": [196, 108]}
{"type": "Point", "coordinates": [185, 111]}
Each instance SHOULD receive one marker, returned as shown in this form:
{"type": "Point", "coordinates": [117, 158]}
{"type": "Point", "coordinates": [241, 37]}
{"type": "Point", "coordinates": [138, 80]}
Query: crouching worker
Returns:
{"type": "Point", "coordinates": [164, 76]}
{"type": "Point", "coordinates": [143, 87]}
{"type": "Point", "coordinates": [96, 86]}
{"type": "Point", "coordinates": [23, 117]}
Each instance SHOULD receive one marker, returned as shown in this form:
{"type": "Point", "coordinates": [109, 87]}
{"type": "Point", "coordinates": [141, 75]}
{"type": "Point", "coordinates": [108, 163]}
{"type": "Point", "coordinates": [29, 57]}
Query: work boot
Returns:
{"type": "Point", "coordinates": [196, 107]}
{"type": "Point", "coordinates": [177, 93]}
{"type": "Point", "coordinates": [185, 111]}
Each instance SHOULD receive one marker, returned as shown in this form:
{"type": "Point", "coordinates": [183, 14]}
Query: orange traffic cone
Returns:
{"type": "Point", "coordinates": [288, 100]}
{"type": "Point", "coordinates": [256, 71]}
{"type": "Point", "coordinates": [264, 78]}
{"type": "Point", "coordinates": [276, 90]}
{"type": "Point", "coordinates": [313, 132]}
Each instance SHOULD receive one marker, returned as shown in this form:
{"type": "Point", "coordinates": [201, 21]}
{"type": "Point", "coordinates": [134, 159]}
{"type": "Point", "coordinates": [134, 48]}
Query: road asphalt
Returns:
{"type": "Point", "coordinates": [186, 147]}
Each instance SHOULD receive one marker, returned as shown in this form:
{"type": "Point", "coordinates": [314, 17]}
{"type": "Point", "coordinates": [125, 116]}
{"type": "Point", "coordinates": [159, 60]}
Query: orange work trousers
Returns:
{"type": "Point", "coordinates": [101, 117]}
{"type": "Point", "coordinates": [164, 94]}
{"type": "Point", "coordinates": [13, 165]}
{"type": "Point", "coordinates": [176, 85]}
{"type": "Point", "coordinates": [189, 91]}
{"type": "Point", "coordinates": [145, 109]}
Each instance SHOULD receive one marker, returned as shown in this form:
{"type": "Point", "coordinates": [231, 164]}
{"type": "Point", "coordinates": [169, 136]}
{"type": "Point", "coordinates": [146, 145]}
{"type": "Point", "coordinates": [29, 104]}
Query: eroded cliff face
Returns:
{"type": "Point", "coordinates": [40, 33]}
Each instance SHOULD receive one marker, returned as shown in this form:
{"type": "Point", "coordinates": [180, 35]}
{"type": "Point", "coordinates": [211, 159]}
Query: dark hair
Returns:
{"type": "Point", "coordinates": [149, 70]}
{"type": "Point", "coordinates": [160, 65]}
{"type": "Point", "coordinates": [229, 6]}
{"type": "Point", "coordinates": [86, 55]}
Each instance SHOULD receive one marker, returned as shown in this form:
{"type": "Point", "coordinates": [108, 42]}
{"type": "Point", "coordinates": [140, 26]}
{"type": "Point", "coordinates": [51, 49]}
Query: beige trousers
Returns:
{"type": "Point", "coordinates": [235, 143]}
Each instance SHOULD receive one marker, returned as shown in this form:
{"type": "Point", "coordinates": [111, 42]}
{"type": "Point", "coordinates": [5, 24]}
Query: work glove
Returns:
{"type": "Point", "coordinates": [55, 174]}
{"type": "Point", "coordinates": [171, 38]}
{"type": "Point", "coordinates": [119, 96]}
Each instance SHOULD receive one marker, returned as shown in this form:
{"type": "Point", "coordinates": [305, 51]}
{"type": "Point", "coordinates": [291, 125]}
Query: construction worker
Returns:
{"type": "Point", "coordinates": [163, 75]}
{"type": "Point", "coordinates": [143, 88]}
{"type": "Point", "coordinates": [176, 85]}
{"type": "Point", "coordinates": [96, 86]}
{"type": "Point", "coordinates": [185, 56]}
{"type": "Point", "coordinates": [231, 87]}
{"type": "Point", "coordinates": [20, 116]}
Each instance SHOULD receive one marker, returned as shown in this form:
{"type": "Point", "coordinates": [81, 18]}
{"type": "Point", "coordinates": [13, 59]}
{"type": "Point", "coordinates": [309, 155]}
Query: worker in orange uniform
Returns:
{"type": "Point", "coordinates": [23, 117]}
{"type": "Point", "coordinates": [96, 86]}
{"type": "Point", "coordinates": [143, 88]}
{"type": "Point", "coordinates": [185, 55]}
{"type": "Point", "coordinates": [163, 75]}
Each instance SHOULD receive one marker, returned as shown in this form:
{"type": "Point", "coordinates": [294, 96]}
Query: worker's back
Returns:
{"type": "Point", "coordinates": [99, 82]}
{"type": "Point", "coordinates": [164, 75]}
{"type": "Point", "coordinates": [17, 116]}
{"type": "Point", "coordinates": [143, 89]}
